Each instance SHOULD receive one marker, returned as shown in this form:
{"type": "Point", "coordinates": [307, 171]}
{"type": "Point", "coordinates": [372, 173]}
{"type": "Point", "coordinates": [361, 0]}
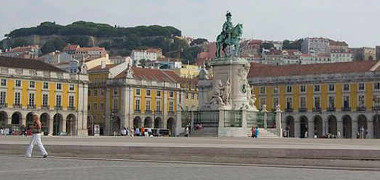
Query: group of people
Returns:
{"type": "Point", "coordinates": [255, 132]}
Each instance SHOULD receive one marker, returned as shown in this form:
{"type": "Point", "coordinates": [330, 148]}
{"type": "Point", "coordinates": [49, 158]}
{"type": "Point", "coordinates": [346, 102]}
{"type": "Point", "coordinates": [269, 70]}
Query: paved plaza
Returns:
{"type": "Point", "coordinates": [292, 143]}
{"type": "Point", "coordinates": [15, 168]}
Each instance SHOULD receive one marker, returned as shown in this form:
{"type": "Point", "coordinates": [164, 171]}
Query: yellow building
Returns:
{"type": "Point", "coordinates": [337, 99]}
{"type": "Point", "coordinates": [187, 71]}
{"type": "Point", "coordinates": [122, 96]}
{"type": "Point", "coordinates": [32, 87]}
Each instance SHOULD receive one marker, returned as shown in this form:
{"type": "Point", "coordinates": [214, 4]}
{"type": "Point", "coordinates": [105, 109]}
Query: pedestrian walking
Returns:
{"type": "Point", "coordinates": [36, 138]}
{"type": "Point", "coordinates": [256, 132]}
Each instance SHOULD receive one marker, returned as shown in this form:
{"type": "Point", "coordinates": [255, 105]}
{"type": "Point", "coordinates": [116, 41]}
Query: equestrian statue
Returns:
{"type": "Point", "coordinates": [230, 36]}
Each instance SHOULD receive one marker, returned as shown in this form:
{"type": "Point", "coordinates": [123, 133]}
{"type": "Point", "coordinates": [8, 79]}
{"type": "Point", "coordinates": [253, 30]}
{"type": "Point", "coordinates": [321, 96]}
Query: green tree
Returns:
{"type": "Point", "coordinates": [53, 45]}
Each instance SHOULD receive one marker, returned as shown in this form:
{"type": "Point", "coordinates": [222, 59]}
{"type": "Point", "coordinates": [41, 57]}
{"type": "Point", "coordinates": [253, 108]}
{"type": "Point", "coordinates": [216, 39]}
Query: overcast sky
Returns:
{"type": "Point", "coordinates": [355, 21]}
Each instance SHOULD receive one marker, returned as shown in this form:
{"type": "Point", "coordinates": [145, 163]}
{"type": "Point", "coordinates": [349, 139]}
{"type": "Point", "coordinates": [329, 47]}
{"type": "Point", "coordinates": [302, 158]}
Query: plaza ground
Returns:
{"type": "Point", "coordinates": [355, 154]}
{"type": "Point", "coordinates": [14, 167]}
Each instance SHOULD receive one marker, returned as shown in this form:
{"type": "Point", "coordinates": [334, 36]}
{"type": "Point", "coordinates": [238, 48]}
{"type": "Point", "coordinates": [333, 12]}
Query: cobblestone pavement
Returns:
{"type": "Point", "coordinates": [368, 144]}
{"type": "Point", "coordinates": [20, 168]}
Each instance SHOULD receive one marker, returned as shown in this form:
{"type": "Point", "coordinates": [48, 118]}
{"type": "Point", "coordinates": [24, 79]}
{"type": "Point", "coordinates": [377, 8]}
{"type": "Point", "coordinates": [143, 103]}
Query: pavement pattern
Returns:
{"type": "Point", "coordinates": [21, 168]}
{"type": "Point", "coordinates": [293, 143]}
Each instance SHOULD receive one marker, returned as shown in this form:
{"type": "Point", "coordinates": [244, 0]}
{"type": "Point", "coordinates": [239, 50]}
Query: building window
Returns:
{"type": "Point", "coordinates": [171, 106]}
{"type": "Point", "coordinates": [346, 101]}
{"type": "Point", "coordinates": [331, 102]}
{"type": "Point", "coordinates": [137, 105]}
{"type": "Point", "coordinates": [95, 107]}
{"type": "Point", "coordinates": [46, 85]}
{"type": "Point", "coordinates": [115, 104]}
{"type": "Point", "coordinates": [115, 92]}
{"type": "Point", "coordinates": [3, 82]}
{"type": "Point", "coordinates": [71, 101]}
{"type": "Point", "coordinates": [262, 90]}
{"type": "Point", "coordinates": [58, 100]}
{"type": "Point", "coordinates": [376, 86]}
{"type": "Point", "coordinates": [158, 93]}
{"type": "Point", "coordinates": [186, 95]}
{"type": "Point", "coordinates": [95, 92]}
{"type": "Point", "coordinates": [275, 90]}
{"type": "Point", "coordinates": [102, 106]}
{"type": "Point", "coordinates": [289, 103]}
{"type": "Point", "coordinates": [376, 100]}
{"type": "Point", "coordinates": [171, 94]}
{"type": "Point", "coordinates": [17, 98]}
{"type": "Point", "coordinates": [346, 87]}
{"type": "Point", "coordinates": [3, 97]}
{"type": "Point", "coordinates": [317, 102]}
{"type": "Point", "coordinates": [72, 87]}
{"type": "Point", "coordinates": [331, 87]}
{"type": "Point", "coordinates": [89, 92]}
{"type": "Point", "coordinates": [32, 84]}
{"type": "Point", "coordinates": [31, 99]}
{"type": "Point", "coordinates": [192, 95]}
{"type": "Point", "coordinates": [148, 92]}
{"type": "Point", "coordinates": [361, 100]}
{"type": "Point", "coordinates": [102, 92]}
{"type": "Point", "coordinates": [317, 88]}
{"type": "Point", "coordinates": [59, 86]}
{"type": "Point", "coordinates": [137, 92]}
{"type": "Point", "coordinates": [289, 89]}
{"type": "Point", "coordinates": [147, 105]}
{"type": "Point", "coordinates": [18, 83]}
{"type": "Point", "coordinates": [361, 87]}
{"type": "Point", "coordinates": [303, 102]}
{"type": "Point", "coordinates": [158, 106]}
{"type": "Point", "coordinates": [262, 102]}
{"type": "Point", "coordinates": [275, 102]}
{"type": "Point", "coordinates": [303, 88]}
{"type": "Point", "coordinates": [45, 100]}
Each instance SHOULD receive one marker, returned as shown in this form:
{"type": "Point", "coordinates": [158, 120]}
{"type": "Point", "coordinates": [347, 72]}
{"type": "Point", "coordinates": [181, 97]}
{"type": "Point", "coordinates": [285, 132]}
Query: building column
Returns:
{"type": "Point", "coordinates": [278, 122]}
{"type": "Point", "coordinates": [265, 118]}
{"type": "Point", "coordinates": [310, 128]}
{"type": "Point", "coordinates": [23, 120]}
{"type": "Point", "coordinates": [339, 124]}
{"type": "Point", "coordinates": [63, 124]}
{"type": "Point", "coordinates": [354, 128]}
{"type": "Point", "coordinates": [123, 108]}
{"type": "Point", "coordinates": [325, 130]}
{"type": "Point", "coordinates": [370, 134]}
{"type": "Point", "coordinates": [297, 128]}
{"type": "Point", "coordinates": [51, 123]}
{"type": "Point", "coordinates": [107, 119]}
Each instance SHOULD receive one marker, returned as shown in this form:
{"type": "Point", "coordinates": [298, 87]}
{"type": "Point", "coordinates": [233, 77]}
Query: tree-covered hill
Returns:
{"type": "Point", "coordinates": [94, 29]}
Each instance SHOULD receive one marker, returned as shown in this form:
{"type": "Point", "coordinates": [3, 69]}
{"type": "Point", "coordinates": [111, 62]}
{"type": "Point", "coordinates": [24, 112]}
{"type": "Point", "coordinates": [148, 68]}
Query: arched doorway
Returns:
{"type": "Point", "coordinates": [362, 126]}
{"type": "Point", "coordinates": [303, 127]}
{"type": "Point", "coordinates": [29, 120]}
{"type": "Point", "coordinates": [3, 119]}
{"type": "Point", "coordinates": [148, 122]}
{"type": "Point", "coordinates": [347, 126]}
{"type": "Point", "coordinates": [318, 126]}
{"type": "Point", "coordinates": [71, 125]}
{"type": "Point", "coordinates": [57, 124]}
{"type": "Point", "coordinates": [289, 126]}
{"type": "Point", "coordinates": [45, 121]}
{"type": "Point", "coordinates": [137, 122]}
{"type": "Point", "coordinates": [376, 126]}
{"type": "Point", "coordinates": [16, 118]}
{"type": "Point", "coordinates": [116, 125]}
{"type": "Point", "coordinates": [332, 123]}
{"type": "Point", "coordinates": [171, 126]}
{"type": "Point", "coordinates": [158, 123]}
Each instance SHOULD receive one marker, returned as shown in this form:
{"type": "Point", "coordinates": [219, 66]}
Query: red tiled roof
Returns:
{"type": "Point", "coordinates": [260, 70]}
{"type": "Point", "coordinates": [71, 47]}
{"type": "Point", "coordinates": [108, 66]}
{"type": "Point", "coordinates": [91, 49]}
{"type": "Point", "coordinates": [23, 48]}
{"type": "Point", "coordinates": [152, 75]}
{"type": "Point", "coordinates": [27, 64]}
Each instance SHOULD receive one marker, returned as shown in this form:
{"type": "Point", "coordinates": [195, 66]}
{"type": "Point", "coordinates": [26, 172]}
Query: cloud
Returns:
{"type": "Point", "coordinates": [350, 20]}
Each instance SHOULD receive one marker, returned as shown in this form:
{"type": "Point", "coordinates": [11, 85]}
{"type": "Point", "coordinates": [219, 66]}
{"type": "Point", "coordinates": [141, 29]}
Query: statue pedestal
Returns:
{"type": "Point", "coordinates": [234, 70]}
